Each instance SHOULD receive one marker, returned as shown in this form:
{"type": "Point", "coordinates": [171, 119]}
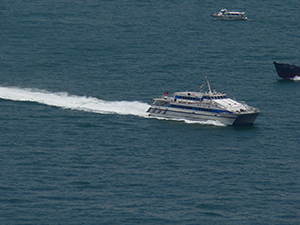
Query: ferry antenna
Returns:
{"type": "Point", "coordinates": [208, 85]}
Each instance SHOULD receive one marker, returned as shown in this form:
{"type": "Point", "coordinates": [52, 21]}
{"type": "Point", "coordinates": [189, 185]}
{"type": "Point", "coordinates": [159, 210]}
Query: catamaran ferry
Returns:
{"type": "Point", "coordinates": [203, 106]}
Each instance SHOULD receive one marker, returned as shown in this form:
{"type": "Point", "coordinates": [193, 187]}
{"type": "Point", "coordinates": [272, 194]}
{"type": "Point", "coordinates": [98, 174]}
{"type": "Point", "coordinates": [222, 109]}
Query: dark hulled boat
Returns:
{"type": "Point", "coordinates": [287, 71]}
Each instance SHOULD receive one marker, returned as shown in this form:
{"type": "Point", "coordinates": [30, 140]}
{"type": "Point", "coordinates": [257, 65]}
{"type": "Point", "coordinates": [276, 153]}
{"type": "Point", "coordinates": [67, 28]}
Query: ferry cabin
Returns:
{"type": "Point", "coordinates": [193, 101]}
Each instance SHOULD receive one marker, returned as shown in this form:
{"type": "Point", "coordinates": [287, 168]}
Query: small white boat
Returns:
{"type": "Point", "coordinates": [203, 106]}
{"type": "Point", "coordinates": [224, 14]}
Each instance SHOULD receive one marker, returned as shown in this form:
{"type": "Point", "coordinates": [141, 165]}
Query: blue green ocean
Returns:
{"type": "Point", "coordinates": [76, 144]}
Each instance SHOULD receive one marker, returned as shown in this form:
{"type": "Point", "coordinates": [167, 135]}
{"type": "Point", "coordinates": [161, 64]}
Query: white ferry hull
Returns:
{"type": "Point", "coordinates": [226, 119]}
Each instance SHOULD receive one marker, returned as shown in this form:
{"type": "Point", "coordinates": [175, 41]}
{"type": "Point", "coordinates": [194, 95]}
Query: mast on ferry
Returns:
{"type": "Point", "coordinates": [208, 85]}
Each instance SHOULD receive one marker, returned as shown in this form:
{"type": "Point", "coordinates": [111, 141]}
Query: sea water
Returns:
{"type": "Point", "coordinates": [77, 146]}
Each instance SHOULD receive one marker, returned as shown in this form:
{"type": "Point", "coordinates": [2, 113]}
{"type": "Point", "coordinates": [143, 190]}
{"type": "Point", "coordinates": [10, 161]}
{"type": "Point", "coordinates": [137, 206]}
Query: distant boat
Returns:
{"type": "Point", "coordinates": [287, 71]}
{"type": "Point", "coordinates": [224, 14]}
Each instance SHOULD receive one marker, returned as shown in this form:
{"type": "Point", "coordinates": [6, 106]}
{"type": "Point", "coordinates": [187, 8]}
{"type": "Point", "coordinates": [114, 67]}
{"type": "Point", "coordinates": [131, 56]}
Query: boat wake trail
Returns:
{"type": "Point", "coordinates": [296, 78]}
{"type": "Point", "coordinates": [82, 103]}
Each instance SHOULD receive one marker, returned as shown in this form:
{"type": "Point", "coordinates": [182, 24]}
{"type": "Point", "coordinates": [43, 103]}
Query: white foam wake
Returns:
{"type": "Point", "coordinates": [296, 78]}
{"type": "Point", "coordinates": [83, 103]}
{"type": "Point", "coordinates": [64, 100]}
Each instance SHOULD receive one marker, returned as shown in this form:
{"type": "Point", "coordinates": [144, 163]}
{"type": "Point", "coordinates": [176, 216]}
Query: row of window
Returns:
{"type": "Point", "coordinates": [218, 97]}
{"type": "Point", "coordinates": [187, 98]}
{"type": "Point", "coordinates": [197, 99]}
{"type": "Point", "coordinates": [195, 108]}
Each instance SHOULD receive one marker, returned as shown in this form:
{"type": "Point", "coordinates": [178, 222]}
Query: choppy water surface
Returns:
{"type": "Point", "coordinates": [78, 148]}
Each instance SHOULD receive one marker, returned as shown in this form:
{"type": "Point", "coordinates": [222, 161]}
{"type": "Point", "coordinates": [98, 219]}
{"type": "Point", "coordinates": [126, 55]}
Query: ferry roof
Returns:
{"type": "Point", "coordinates": [198, 94]}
